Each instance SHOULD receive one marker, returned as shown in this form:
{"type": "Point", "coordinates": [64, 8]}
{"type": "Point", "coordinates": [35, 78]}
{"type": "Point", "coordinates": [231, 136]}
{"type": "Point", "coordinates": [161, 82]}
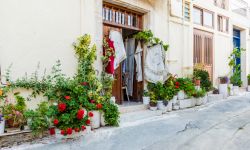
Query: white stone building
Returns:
{"type": "Point", "coordinates": [33, 31]}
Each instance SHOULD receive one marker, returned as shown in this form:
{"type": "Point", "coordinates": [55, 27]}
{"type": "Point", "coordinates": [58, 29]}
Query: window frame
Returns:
{"type": "Point", "coordinates": [202, 16]}
{"type": "Point", "coordinates": [227, 22]}
{"type": "Point", "coordinates": [188, 4]}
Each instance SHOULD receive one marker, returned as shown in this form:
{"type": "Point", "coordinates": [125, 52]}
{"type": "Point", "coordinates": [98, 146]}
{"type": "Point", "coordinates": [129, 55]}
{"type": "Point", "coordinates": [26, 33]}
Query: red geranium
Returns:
{"type": "Point", "coordinates": [62, 132]}
{"type": "Point", "coordinates": [77, 129]}
{"type": "Point", "coordinates": [91, 114]}
{"type": "Point", "coordinates": [80, 114]}
{"type": "Point", "coordinates": [61, 107]}
{"type": "Point", "coordinates": [83, 127]}
{"type": "Point", "coordinates": [177, 83]}
{"type": "Point", "coordinates": [88, 122]}
{"type": "Point", "coordinates": [92, 101]}
{"type": "Point", "coordinates": [99, 106]}
{"type": "Point", "coordinates": [177, 87]}
{"type": "Point", "coordinates": [56, 122]}
{"type": "Point", "coordinates": [69, 131]}
{"type": "Point", "coordinates": [84, 83]}
{"type": "Point", "coordinates": [67, 97]}
{"type": "Point", "coordinates": [52, 131]}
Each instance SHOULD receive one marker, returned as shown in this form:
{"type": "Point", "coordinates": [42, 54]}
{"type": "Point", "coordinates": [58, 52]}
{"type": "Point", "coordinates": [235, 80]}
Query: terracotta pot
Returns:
{"type": "Point", "coordinates": [197, 82]}
{"type": "Point", "coordinates": [12, 124]}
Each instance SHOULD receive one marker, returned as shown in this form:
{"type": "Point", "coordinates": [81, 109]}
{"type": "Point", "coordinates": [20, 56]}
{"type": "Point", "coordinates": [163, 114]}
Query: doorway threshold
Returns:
{"type": "Point", "coordinates": [128, 107]}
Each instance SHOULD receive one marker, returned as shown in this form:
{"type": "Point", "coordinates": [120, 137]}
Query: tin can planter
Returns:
{"type": "Point", "coordinates": [160, 105]}
{"type": "Point", "coordinates": [95, 121]}
{"type": "Point", "coordinates": [181, 95]}
{"type": "Point", "coordinates": [2, 126]}
{"type": "Point", "coordinates": [223, 89]}
{"type": "Point", "coordinates": [146, 100]}
{"type": "Point", "coordinates": [103, 119]}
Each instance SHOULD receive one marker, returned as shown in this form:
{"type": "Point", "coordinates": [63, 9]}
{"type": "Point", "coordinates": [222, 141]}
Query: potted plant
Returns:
{"type": "Point", "coordinates": [197, 80]}
{"type": "Point", "coordinates": [153, 101]}
{"type": "Point", "coordinates": [223, 86]}
{"type": "Point", "coordinates": [146, 98]}
{"type": "Point", "coordinates": [248, 87]}
{"type": "Point", "coordinates": [199, 97]}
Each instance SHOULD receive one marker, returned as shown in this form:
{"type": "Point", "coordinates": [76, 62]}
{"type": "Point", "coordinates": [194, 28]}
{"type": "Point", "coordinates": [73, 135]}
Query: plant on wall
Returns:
{"type": "Point", "coordinates": [147, 36]}
{"type": "Point", "coordinates": [235, 78]}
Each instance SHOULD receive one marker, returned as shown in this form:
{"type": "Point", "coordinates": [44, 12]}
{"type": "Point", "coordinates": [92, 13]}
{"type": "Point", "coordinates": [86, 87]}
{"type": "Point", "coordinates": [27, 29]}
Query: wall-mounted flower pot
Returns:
{"type": "Point", "coordinates": [146, 100]}
{"type": "Point", "coordinates": [181, 95]}
{"type": "Point", "coordinates": [223, 89]}
{"type": "Point", "coordinates": [160, 105]}
{"type": "Point", "coordinates": [2, 126]}
{"type": "Point", "coordinates": [186, 103]}
{"type": "Point", "coordinates": [95, 120]}
{"type": "Point", "coordinates": [236, 90]}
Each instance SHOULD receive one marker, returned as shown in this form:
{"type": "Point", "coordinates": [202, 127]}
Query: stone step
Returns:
{"type": "Point", "coordinates": [132, 108]}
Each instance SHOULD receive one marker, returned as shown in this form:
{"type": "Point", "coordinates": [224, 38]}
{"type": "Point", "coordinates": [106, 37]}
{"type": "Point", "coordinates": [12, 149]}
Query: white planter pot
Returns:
{"type": "Point", "coordinates": [236, 90]}
{"type": "Point", "coordinates": [199, 101]}
{"type": "Point", "coordinates": [153, 108]}
{"type": "Point", "coordinates": [248, 88]}
{"type": "Point", "coordinates": [230, 89]}
{"type": "Point", "coordinates": [174, 100]}
{"type": "Point", "coordinates": [198, 88]}
{"type": "Point", "coordinates": [176, 107]}
{"type": "Point", "coordinates": [170, 105]}
{"type": "Point", "coordinates": [95, 121]}
{"type": "Point", "coordinates": [181, 95]}
{"type": "Point", "coordinates": [112, 100]}
{"type": "Point", "coordinates": [146, 100]}
{"type": "Point", "coordinates": [185, 96]}
{"type": "Point", "coordinates": [160, 105]}
{"type": "Point", "coordinates": [193, 102]}
{"type": "Point", "coordinates": [186, 103]}
{"type": "Point", "coordinates": [223, 90]}
{"type": "Point", "coordinates": [2, 126]}
{"type": "Point", "coordinates": [88, 129]}
{"type": "Point", "coordinates": [103, 119]}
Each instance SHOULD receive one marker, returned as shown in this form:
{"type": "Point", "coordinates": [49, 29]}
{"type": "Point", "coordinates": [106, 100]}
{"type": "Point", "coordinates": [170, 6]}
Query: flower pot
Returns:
{"type": "Point", "coordinates": [12, 124]}
{"type": "Point", "coordinates": [146, 100]}
{"type": "Point", "coordinates": [176, 107]}
{"type": "Point", "coordinates": [223, 90]}
{"type": "Point", "coordinates": [95, 121]}
{"type": "Point", "coordinates": [248, 88]}
{"type": "Point", "coordinates": [160, 105]}
{"type": "Point", "coordinates": [174, 100]}
{"type": "Point", "coordinates": [112, 100]}
{"type": "Point", "coordinates": [181, 95]}
{"type": "Point", "coordinates": [2, 126]}
{"type": "Point", "coordinates": [197, 88]}
{"type": "Point", "coordinates": [193, 101]}
{"type": "Point", "coordinates": [205, 99]}
{"type": "Point", "coordinates": [236, 90]}
{"type": "Point", "coordinates": [170, 105]}
{"type": "Point", "coordinates": [153, 108]}
{"type": "Point", "coordinates": [103, 119]}
{"type": "Point", "coordinates": [230, 89]}
{"type": "Point", "coordinates": [199, 101]}
{"type": "Point", "coordinates": [197, 82]}
{"type": "Point", "coordinates": [186, 103]}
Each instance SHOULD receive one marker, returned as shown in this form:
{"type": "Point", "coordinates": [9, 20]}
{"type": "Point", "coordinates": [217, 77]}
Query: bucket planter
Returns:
{"type": "Point", "coordinates": [2, 126]}
{"type": "Point", "coordinates": [181, 95]}
{"type": "Point", "coordinates": [223, 89]}
{"type": "Point", "coordinates": [146, 100]}
{"type": "Point", "coordinates": [95, 121]}
{"type": "Point", "coordinates": [160, 105]}
{"type": "Point", "coordinates": [230, 90]}
{"type": "Point", "coordinates": [236, 90]}
{"type": "Point", "coordinates": [102, 119]}
{"type": "Point", "coordinates": [170, 105]}
{"type": "Point", "coordinates": [186, 103]}
{"type": "Point", "coordinates": [153, 106]}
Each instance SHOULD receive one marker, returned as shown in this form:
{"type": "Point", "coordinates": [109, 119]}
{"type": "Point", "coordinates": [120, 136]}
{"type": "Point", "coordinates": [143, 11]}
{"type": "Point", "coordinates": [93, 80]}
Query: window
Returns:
{"type": "Point", "coordinates": [223, 23]}
{"type": "Point", "coordinates": [203, 17]}
{"type": "Point", "coordinates": [221, 3]}
{"type": "Point", "coordinates": [197, 16]}
{"type": "Point", "coordinates": [186, 11]}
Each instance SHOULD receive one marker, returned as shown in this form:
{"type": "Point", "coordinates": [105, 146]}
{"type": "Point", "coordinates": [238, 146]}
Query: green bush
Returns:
{"type": "Point", "coordinates": [186, 85]}
{"type": "Point", "coordinates": [204, 77]}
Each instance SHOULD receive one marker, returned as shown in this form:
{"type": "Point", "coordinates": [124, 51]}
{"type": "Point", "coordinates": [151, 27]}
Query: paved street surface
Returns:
{"type": "Point", "coordinates": [221, 125]}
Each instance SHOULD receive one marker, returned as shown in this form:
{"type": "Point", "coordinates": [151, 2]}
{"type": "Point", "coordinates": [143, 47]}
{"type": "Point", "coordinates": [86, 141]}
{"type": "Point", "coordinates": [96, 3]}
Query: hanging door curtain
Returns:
{"type": "Point", "coordinates": [120, 52]}
{"type": "Point", "coordinates": [110, 67]}
{"type": "Point", "coordinates": [138, 56]}
{"type": "Point", "coordinates": [155, 68]}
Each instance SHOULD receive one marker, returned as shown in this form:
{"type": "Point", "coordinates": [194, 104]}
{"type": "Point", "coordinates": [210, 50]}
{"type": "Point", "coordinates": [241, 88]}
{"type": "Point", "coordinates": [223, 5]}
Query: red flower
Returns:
{"type": "Point", "coordinates": [77, 129]}
{"type": "Point", "coordinates": [88, 122]}
{"type": "Point", "coordinates": [62, 132]}
{"type": "Point", "coordinates": [83, 128]}
{"type": "Point", "coordinates": [177, 83]}
{"type": "Point", "coordinates": [69, 131]}
{"type": "Point", "coordinates": [92, 101]}
{"type": "Point", "coordinates": [91, 114]}
{"type": "Point", "coordinates": [67, 97]}
{"type": "Point", "coordinates": [177, 87]}
{"type": "Point", "coordinates": [56, 122]}
{"type": "Point", "coordinates": [84, 83]}
{"type": "Point", "coordinates": [80, 114]}
{"type": "Point", "coordinates": [99, 106]}
{"type": "Point", "coordinates": [52, 131]}
{"type": "Point", "coordinates": [61, 107]}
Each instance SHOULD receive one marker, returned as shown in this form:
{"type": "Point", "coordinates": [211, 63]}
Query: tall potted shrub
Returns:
{"type": "Point", "coordinates": [223, 87]}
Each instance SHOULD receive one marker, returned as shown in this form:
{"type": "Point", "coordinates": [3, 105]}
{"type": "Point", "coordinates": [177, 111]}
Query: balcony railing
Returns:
{"type": "Point", "coordinates": [240, 7]}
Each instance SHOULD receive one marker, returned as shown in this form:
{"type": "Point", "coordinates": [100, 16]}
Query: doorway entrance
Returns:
{"type": "Point", "coordinates": [203, 50]}
{"type": "Point", "coordinates": [236, 42]}
{"type": "Point", "coordinates": [126, 23]}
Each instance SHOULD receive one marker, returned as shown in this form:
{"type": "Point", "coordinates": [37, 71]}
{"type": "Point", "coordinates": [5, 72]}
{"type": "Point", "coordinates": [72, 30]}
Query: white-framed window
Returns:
{"type": "Point", "coordinates": [186, 11]}
{"type": "Point", "coordinates": [203, 17]}
{"type": "Point", "coordinates": [223, 23]}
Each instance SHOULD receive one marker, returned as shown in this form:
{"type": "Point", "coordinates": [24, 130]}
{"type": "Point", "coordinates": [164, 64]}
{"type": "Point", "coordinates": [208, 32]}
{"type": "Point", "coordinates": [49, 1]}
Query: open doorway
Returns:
{"type": "Point", "coordinates": [128, 84]}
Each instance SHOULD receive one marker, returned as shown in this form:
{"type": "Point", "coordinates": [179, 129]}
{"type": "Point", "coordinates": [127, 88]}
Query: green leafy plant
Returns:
{"type": "Point", "coordinates": [111, 114]}
{"type": "Point", "coordinates": [38, 119]}
{"type": "Point", "coordinates": [248, 77]}
{"type": "Point", "coordinates": [235, 78]}
{"type": "Point", "coordinates": [186, 85]}
{"type": "Point", "coordinates": [145, 93]}
{"type": "Point", "coordinates": [199, 93]}
{"type": "Point", "coordinates": [203, 76]}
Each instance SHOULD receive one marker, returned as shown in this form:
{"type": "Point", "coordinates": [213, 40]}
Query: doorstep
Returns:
{"type": "Point", "coordinates": [128, 107]}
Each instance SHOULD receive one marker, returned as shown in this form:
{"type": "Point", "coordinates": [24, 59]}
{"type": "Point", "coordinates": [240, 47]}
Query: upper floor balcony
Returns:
{"type": "Point", "coordinates": [240, 7]}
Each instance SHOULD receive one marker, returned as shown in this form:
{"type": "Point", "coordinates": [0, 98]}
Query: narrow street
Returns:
{"type": "Point", "coordinates": [221, 125]}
